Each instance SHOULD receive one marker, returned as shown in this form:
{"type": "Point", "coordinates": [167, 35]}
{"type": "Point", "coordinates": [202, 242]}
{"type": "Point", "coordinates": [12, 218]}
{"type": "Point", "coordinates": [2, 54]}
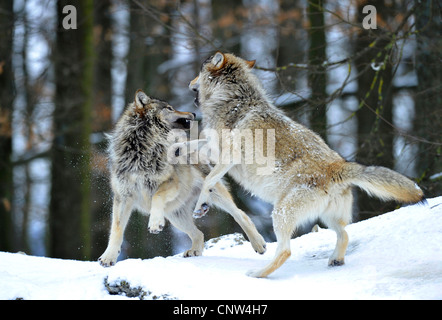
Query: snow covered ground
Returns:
{"type": "Point", "coordinates": [394, 256]}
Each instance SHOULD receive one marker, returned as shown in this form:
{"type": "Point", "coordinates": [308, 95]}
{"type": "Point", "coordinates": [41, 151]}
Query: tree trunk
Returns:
{"type": "Point", "coordinates": [69, 222]}
{"type": "Point", "coordinates": [136, 54]}
{"type": "Point", "coordinates": [102, 122]}
{"type": "Point", "coordinates": [375, 134]}
{"type": "Point", "coordinates": [102, 110]}
{"type": "Point", "coordinates": [428, 98]}
{"type": "Point", "coordinates": [7, 94]}
{"type": "Point", "coordinates": [317, 73]}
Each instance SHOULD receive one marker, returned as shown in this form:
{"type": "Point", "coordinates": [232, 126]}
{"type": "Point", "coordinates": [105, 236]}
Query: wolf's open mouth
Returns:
{"type": "Point", "coordinates": [184, 122]}
{"type": "Point", "coordinates": [196, 101]}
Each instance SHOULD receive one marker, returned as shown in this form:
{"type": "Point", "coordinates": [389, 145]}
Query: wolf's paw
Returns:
{"type": "Point", "coordinates": [192, 253]}
{"type": "Point", "coordinates": [108, 260]}
{"type": "Point", "coordinates": [156, 225]}
{"type": "Point", "coordinates": [255, 274]}
{"type": "Point", "coordinates": [335, 262]}
{"type": "Point", "coordinates": [156, 229]}
{"type": "Point", "coordinates": [201, 212]}
{"type": "Point", "coordinates": [259, 245]}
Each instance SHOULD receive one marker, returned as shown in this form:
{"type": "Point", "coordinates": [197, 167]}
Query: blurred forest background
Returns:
{"type": "Point", "coordinates": [373, 94]}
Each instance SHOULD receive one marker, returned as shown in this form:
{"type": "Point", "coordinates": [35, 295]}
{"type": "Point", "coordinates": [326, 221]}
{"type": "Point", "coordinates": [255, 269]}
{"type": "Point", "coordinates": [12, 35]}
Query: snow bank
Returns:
{"type": "Point", "coordinates": [394, 256]}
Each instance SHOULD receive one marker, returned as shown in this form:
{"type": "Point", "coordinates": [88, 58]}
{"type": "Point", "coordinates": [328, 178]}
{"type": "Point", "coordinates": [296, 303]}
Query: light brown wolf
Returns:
{"type": "Point", "coordinates": [308, 181]}
{"type": "Point", "coordinates": [143, 178]}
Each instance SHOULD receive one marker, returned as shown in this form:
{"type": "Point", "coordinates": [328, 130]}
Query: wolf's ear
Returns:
{"type": "Point", "coordinates": [141, 99]}
{"type": "Point", "coordinates": [218, 60]}
{"type": "Point", "coordinates": [250, 63]}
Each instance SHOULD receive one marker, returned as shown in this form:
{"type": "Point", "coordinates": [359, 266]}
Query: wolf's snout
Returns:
{"type": "Point", "coordinates": [194, 84]}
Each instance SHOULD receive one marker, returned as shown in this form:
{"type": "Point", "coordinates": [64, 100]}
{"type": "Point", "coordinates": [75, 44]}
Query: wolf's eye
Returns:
{"type": "Point", "coordinates": [169, 109]}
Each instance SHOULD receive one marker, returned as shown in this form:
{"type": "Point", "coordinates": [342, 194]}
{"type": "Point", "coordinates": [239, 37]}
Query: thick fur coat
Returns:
{"type": "Point", "coordinates": [308, 181]}
{"type": "Point", "coordinates": [143, 178]}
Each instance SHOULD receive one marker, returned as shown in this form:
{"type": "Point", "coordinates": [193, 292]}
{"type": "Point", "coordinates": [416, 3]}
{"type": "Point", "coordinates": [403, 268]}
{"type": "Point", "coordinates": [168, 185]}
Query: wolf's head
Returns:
{"type": "Point", "coordinates": [221, 72]}
{"type": "Point", "coordinates": [145, 106]}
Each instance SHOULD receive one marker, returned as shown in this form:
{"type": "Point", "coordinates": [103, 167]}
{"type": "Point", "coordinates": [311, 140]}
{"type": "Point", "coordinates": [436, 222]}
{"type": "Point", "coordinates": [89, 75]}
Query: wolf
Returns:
{"type": "Point", "coordinates": [142, 178]}
{"type": "Point", "coordinates": [308, 181]}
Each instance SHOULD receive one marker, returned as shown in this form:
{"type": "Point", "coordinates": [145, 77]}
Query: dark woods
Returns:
{"type": "Point", "coordinates": [368, 81]}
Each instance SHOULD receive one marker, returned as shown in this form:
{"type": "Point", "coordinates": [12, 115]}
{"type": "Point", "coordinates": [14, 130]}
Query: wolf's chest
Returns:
{"type": "Point", "coordinates": [136, 153]}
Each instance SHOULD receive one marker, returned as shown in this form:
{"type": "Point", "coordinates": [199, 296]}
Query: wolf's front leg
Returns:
{"type": "Point", "coordinates": [167, 191]}
{"type": "Point", "coordinates": [121, 211]}
{"type": "Point", "coordinates": [202, 205]}
{"type": "Point", "coordinates": [156, 219]}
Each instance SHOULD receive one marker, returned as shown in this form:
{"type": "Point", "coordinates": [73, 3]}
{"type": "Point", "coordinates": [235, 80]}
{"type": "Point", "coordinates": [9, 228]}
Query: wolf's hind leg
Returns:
{"type": "Point", "coordinates": [121, 211]}
{"type": "Point", "coordinates": [222, 199]}
{"type": "Point", "coordinates": [337, 258]}
{"type": "Point", "coordinates": [336, 216]}
{"type": "Point", "coordinates": [283, 230]}
{"type": "Point", "coordinates": [183, 220]}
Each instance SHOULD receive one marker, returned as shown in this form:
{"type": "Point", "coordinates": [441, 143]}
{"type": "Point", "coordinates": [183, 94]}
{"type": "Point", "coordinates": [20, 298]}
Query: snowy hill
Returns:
{"type": "Point", "coordinates": [394, 256]}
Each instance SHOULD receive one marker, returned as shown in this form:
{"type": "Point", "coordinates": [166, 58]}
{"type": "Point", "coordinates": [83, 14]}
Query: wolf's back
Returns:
{"type": "Point", "coordinates": [382, 183]}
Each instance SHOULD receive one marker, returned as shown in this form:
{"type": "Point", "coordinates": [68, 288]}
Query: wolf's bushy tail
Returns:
{"type": "Point", "coordinates": [382, 183]}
